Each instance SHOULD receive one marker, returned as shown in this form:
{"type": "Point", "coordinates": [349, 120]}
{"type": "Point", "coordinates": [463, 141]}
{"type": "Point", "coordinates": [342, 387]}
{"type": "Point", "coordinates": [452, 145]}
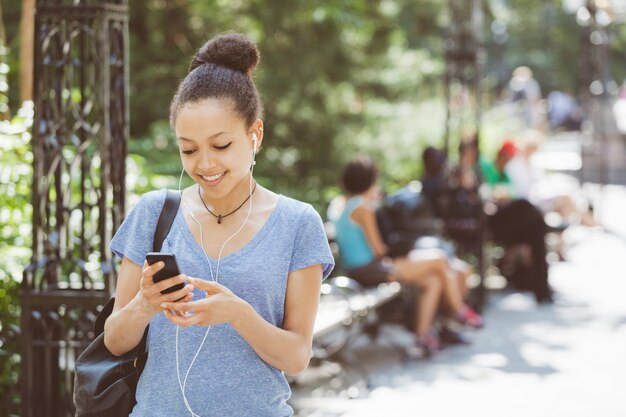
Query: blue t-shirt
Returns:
{"type": "Point", "coordinates": [228, 378]}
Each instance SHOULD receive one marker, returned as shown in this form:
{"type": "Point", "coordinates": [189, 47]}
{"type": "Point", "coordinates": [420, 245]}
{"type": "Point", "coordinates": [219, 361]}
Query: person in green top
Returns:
{"type": "Point", "coordinates": [494, 174]}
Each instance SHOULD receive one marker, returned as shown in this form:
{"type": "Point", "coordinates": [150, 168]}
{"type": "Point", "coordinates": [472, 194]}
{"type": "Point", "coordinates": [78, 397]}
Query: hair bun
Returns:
{"type": "Point", "coordinates": [231, 50]}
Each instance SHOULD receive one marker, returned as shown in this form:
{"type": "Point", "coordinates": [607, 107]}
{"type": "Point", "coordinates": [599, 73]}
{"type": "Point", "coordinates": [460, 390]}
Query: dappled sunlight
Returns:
{"type": "Point", "coordinates": [528, 358]}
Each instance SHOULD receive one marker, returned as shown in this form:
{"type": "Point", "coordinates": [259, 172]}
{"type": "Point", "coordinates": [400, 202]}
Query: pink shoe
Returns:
{"type": "Point", "coordinates": [428, 345]}
{"type": "Point", "coordinates": [469, 317]}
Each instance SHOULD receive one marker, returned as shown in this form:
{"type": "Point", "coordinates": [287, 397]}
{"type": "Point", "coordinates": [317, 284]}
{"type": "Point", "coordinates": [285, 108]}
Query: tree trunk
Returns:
{"type": "Point", "coordinates": [4, 90]}
{"type": "Point", "coordinates": [3, 34]}
{"type": "Point", "coordinates": [27, 36]}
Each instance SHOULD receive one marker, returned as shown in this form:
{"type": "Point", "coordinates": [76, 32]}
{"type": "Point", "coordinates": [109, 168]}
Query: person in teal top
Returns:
{"type": "Point", "coordinates": [356, 251]}
{"type": "Point", "coordinates": [364, 255]}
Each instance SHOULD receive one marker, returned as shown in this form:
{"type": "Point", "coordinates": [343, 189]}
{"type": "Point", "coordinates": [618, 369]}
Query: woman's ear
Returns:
{"type": "Point", "coordinates": [256, 131]}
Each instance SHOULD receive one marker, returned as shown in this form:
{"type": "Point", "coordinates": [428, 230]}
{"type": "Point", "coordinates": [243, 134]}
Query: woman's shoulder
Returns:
{"type": "Point", "coordinates": [362, 204]}
{"type": "Point", "coordinates": [296, 208]}
{"type": "Point", "coordinates": [151, 201]}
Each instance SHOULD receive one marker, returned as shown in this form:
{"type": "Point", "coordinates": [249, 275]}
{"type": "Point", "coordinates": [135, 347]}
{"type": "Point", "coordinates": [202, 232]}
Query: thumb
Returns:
{"type": "Point", "coordinates": [210, 287]}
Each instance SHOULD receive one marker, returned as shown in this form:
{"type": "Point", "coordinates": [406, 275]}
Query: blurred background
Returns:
{"type": "Point", "coordinates": [383, 77]}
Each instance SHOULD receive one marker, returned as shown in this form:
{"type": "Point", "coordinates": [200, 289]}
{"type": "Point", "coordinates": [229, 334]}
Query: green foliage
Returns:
{"type": "Point", "coordinates": [4, 85]}
{"type": "Point", "coordinates": [320, 69]}
{"type": "Point", "coordinates": [11, 11]}
{"type": "Point", "coordinates": [337, 78]}
{"type": "Point", "coordinates": [15, 241]}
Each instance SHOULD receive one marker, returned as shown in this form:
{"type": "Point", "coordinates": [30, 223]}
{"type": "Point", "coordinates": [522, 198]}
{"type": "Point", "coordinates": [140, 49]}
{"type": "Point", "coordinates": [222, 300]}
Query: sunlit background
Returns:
{"type": "Point", "coordinates": [342, 77]}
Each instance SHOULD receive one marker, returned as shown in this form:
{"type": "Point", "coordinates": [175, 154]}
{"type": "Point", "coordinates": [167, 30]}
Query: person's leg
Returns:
{"type": "Point", "coordinates": [415, 268]}
{"type": "Point", "coordinates": [462, 271]}
{"type": "Point", "coordinates": [422, 275]}
{"type": "Point", "coordinates": [566, 207]}
{"type": "Point", "coordinates": [540, 267]}
{"type": "Point", "coordinates": [427, 306]}
{"type": "Point", "coordinates": [534, 235]}
{"type": "Point", "coordinates": [525, 225]}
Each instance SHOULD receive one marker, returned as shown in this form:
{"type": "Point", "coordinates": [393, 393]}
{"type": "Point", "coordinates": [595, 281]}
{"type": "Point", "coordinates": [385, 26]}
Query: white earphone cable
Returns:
{"type": "Point", "coordinates": [183, 384]}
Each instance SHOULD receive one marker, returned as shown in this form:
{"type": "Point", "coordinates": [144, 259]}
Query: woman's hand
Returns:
{"type": "Point", "coordinates": [150, 292]}
{"type": "Point", "coordinates": [218, 307]}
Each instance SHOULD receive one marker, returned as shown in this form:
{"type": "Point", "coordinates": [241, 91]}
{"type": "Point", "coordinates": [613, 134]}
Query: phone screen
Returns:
{"type": "Point", "coordinates": [169, 270]}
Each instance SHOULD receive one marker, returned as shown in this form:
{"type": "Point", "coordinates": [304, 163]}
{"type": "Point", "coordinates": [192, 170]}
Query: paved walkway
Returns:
{"type": "Point", "coordinates": [566, 360]}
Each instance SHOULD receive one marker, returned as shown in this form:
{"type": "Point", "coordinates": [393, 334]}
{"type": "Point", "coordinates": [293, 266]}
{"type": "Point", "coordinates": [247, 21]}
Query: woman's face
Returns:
{"type": "Point", "coordinates": [215, 146]}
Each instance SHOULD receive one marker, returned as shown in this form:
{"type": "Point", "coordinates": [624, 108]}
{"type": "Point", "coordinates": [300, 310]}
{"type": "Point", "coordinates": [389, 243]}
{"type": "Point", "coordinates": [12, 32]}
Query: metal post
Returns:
{"type": "Point", "coordinates": [79, 145]}
{"type": "Point", "coordinates": [464, 55]}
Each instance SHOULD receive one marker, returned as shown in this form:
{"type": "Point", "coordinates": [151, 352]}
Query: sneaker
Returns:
{"type": "Point", "coordinates": [448, 336]}
{"type": "Point", "coordinates": [424, 347]}
{"type": "Point", "coordinates": [469, 317]}
{"type": "Point", "coordinates": [428, 344]}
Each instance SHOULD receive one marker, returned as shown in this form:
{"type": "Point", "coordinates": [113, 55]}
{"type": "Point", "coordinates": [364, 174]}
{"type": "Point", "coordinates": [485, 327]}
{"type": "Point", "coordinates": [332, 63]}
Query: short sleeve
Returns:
{"type": "Point", "coordinates": [311, 245]}
{"type": "Point", "coordinates": [135, 236]}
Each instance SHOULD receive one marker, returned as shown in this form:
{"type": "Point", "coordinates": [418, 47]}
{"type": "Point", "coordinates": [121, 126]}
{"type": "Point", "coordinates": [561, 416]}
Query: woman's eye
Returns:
{"type": "Point", "coordinates": [221, 148]}
{"type": "Point", "coordinates": [188, 152]}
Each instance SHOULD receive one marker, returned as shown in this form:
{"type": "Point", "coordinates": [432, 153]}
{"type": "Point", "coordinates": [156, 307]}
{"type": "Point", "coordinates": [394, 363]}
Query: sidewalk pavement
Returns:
{"type": "Point", "coordinates": [566, 359]}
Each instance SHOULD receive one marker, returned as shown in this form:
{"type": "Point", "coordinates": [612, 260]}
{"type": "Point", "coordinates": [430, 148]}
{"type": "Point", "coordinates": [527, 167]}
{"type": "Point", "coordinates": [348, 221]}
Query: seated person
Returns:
{"type": "Point", "coordinates": [363, 255]}
{"type": "Point", "coordinates": [450, 199]}
{"type": "Point", "coordinates": [511, 221]}
{"type": "Point", "coordinates": [434, 179]}
{"type": "Point", "coordinates": [529, 182]}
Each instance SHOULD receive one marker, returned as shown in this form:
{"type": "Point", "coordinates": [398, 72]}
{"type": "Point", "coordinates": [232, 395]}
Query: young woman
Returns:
{"type": "Point", "coordinates": [252, 260]}
{"type": "Point", "coordinates": [363, 254]}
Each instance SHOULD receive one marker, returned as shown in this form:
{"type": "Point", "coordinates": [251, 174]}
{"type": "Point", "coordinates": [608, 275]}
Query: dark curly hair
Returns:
{"type": "Point", "coordinates": [222, 69]}
{"type": "Point", "coordinates": [359, 175]}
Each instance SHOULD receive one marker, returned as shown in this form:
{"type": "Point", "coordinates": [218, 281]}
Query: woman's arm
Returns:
{"type": "Point", "coordinates": [287, 348]}
{"type": "Point", "coordinates": [365, 216]}
{"type": "Point", "coordinates": [137, 300]}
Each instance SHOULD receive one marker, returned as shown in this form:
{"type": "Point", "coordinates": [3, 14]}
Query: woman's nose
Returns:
{"type": "Point", "coordinates": [206, 162]}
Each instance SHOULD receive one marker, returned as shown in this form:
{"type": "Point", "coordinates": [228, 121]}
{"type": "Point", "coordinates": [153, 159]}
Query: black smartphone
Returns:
{"type": "Point", "coordinates": [168, 271]}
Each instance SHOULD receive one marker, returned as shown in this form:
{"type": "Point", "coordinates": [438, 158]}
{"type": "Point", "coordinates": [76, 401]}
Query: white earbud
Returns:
{"type": "Point", "coordinates": [254, 139]}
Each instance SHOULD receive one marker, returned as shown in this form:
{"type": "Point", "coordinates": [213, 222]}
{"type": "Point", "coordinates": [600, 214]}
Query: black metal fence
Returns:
{"type": "Point", "coordinates": [464, 55]}
{"type": "Point", "coordinates": [79, 146]}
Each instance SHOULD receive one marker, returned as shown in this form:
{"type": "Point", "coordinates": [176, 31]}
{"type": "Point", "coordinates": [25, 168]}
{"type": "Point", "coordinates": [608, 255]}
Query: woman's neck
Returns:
{"type": "Point", "coordinates": [231, 201]}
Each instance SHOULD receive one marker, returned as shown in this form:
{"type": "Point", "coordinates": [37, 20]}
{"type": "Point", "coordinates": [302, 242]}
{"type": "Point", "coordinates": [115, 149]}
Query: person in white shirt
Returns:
{"type": "Point", "coordinates": [528, 181]}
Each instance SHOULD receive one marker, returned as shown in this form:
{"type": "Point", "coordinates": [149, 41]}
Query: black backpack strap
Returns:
{"type": "Point", "coordinates": [102, 317]}
{"type": "Point", "coordinates": [170, 208]}
{"type": "Point", "coordinates": [168, 214]}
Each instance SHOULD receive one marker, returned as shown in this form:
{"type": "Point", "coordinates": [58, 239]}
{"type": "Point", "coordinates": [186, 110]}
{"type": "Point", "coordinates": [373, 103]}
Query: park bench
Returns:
{"type": "Point", "coordinates": [345, 309]}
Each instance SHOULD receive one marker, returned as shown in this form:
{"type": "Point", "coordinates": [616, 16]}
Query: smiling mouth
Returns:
{"type": "Point", "coordinates": [212, 178]}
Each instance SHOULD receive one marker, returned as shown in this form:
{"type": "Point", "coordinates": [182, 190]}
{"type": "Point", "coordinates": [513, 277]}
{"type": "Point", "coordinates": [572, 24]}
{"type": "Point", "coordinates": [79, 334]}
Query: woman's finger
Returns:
{"type": "Point", "coordinates": [210, 287]}
{"type": "Point", "coordinates": [180, 296]}
{"type": "Point", "coordinates": [179, 320]}
{"type": "Point", "coordinates": [170, 282]}
{"type": "Point", "coordinates": [178, 306]}
{"type": "Point", "coordinates": [149, 270]}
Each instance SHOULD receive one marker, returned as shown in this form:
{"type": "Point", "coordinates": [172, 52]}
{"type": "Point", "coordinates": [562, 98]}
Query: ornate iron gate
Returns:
{"type": "Point", "coordinates": [463, 54]}
{"type": "Point", "coordinates": [79, 146]}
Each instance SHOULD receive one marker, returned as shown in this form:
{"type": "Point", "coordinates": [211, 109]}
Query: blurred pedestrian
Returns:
{"type": "Point", "coordinates": [564, 112]}
{"type": "Point", "coordinates": [526, 92]}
